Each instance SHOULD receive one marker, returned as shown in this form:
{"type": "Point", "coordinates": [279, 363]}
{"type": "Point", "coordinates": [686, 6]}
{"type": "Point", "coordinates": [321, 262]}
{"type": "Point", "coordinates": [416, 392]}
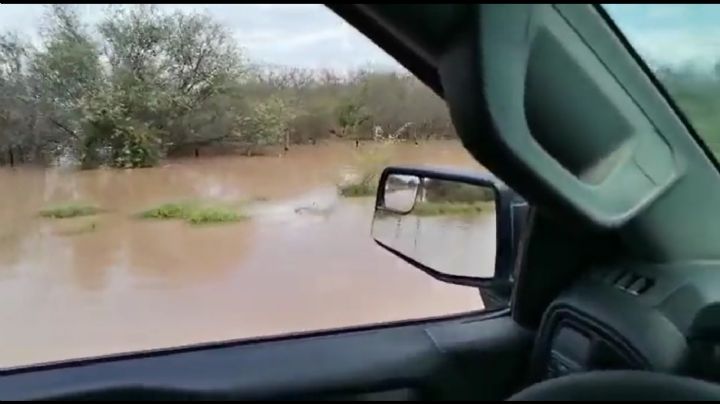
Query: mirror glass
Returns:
{"type": "Point", "coordinates": [400, 191]}
{"type": "Point", "coordinates": [448, 226]}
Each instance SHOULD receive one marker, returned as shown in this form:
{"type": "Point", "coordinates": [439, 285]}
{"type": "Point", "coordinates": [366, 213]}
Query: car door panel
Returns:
{"type": "Point", "coordinates": [472, 356]}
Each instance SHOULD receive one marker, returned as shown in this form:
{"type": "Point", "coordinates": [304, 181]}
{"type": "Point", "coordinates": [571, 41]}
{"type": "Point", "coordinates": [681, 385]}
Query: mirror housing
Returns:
{"type": "Point", "coordinates": [510, 216]}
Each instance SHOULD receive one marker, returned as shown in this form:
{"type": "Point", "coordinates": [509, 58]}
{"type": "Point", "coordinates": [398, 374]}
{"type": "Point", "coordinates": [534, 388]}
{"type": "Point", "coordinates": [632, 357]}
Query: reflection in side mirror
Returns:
{"type": "Point", "coordinates": [444, 224]}
{"type": "Point", "coordinates": [400, 193]}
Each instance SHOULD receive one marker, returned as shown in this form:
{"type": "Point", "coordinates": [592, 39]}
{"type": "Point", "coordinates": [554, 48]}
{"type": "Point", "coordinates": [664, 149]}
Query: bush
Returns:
{"type": "Point", "coordinates": [113, 138]}
{"type": "Point", "coordinates": [267, 123]}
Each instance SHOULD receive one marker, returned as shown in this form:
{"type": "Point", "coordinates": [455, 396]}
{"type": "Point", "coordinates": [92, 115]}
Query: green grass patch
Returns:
{"type": "Point", "coordinates": [195, 213]}
{"type": "Point", "coordinates": [451, 208]}
{"type": "Point", "coordinates": [207, 215]}
{"type": "Point", "coordinates": [357, 190]}
{"type": "Point", "coordinates": [69, 210]}
{"type": "Point", "coordinates": [172, 210]}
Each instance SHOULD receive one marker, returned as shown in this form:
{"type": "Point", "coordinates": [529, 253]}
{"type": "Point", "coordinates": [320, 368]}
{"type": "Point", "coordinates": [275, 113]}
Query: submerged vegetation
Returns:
{"type": "Point", "coordinates": [369, 162]}
{"type": "Point", "coordinates": [82, 228]}
{"type": "Point", "coordinates": [206, 215]}
{"type": "Point", "coordinates": [195, 212]}
{"type": "Point", "coordinates": [359, 189]}
{"type": "Point", "coordinates": [172, 210]}
{"type": "Point", "coordinates": [69, 210]}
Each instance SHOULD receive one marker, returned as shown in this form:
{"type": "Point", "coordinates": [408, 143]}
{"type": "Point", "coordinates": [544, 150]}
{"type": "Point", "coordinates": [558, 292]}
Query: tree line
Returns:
{"type": "Point", "coordinates": [142, 84]}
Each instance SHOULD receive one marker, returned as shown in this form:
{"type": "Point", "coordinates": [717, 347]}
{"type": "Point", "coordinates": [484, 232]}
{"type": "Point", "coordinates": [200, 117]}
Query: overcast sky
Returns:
{"type": "Point", "coordinates": [312, 36]}
{"type": "Point", "coordinates": [304, 35]}
{"type": "Point", "coordinates": [675, 34]}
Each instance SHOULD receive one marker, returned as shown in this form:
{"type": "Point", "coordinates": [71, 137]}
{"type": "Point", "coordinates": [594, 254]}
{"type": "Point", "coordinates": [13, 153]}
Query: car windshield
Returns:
{"type": "Point", "coordinates": [679, 42]}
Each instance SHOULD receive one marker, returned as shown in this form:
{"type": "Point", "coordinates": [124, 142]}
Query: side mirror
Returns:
{"type": "Point", "coordinates": [458, 227]}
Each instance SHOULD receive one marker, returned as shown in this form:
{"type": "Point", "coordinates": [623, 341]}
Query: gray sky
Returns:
{"type": "Point", "coordinates": [672, 34]}
{"type": "Point", "coordinates": [303, 35]}
{"type": "Point", "coordinates": [312, 36]}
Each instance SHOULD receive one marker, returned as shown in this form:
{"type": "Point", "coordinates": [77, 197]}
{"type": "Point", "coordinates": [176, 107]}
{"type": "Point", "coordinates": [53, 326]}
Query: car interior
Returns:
{"type": "Point", "coordinates": [614, 276]}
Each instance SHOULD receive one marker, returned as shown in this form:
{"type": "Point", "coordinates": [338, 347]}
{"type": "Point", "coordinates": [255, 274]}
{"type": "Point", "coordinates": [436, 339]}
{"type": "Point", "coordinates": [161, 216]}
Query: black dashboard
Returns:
{"type": "Point", "coordinates": [660, 318]}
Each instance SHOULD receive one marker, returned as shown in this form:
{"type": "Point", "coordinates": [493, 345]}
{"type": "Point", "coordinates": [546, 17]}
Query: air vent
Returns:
{"type": "Point", "coordinates": [633, 283]}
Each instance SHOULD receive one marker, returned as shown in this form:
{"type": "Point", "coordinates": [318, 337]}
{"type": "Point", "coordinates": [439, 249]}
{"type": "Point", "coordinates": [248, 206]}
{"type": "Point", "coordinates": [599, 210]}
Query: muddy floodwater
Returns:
{"type": "Point", "coordinates": [114, 283]}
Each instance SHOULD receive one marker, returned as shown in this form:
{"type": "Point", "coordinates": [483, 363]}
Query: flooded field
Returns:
{"type": "Point", "coordinates": [112, 282]}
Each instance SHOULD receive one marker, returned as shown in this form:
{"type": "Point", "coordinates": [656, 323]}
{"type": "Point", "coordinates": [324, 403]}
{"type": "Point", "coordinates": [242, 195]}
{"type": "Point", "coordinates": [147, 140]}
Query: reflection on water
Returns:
{"type": "Point", "coordinates": [112, 283]}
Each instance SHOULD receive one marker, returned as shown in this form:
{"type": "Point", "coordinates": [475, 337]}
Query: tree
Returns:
{"type": "Point", "coordinates": [168, 70]}
{"type": "Point", "coordinates": [268, 122]}
{"type": "Point", "coordinates": [151, 82]}
{"type": "Point", "coordinates": [64, 75]}
{"type": "Point", "coordinates": [16, 118]}
{"type": "Point", "coordinates": [202, 67]}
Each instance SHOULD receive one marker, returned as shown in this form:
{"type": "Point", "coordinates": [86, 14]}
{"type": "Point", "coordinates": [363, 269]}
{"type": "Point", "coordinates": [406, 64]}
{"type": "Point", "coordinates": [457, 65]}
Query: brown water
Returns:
{"type": "Point", "coordinates": [113, 283]}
